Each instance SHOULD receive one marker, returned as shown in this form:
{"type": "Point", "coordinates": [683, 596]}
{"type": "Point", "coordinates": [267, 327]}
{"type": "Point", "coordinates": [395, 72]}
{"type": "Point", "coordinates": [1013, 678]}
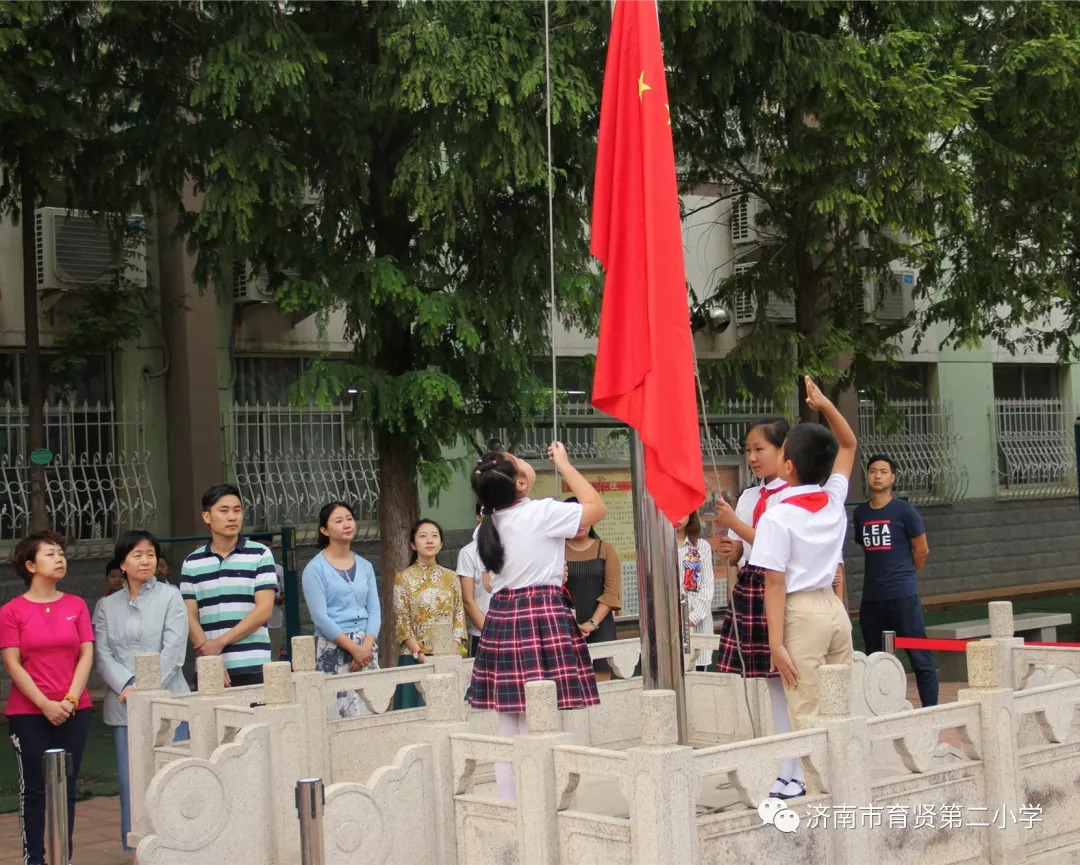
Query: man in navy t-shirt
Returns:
{"type": "Point", "coordinates": [893, 539]}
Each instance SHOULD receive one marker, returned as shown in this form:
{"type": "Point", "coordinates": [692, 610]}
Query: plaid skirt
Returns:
{"type": "Point", "coordinates": [747, 612]}
{"type": "Point", "coordinates": [530, 634]}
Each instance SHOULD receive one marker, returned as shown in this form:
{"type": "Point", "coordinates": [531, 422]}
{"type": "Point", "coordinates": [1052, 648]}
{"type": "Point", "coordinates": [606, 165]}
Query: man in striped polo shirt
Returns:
{"type": "Point", "coordinates": [229, 586]}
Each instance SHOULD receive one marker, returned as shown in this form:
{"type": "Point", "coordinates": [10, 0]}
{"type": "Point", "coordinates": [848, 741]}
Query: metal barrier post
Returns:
{"type": "Point", "coordinates": [310, 798]}
{"type": "Point", "coordinates": [292, 585]}
{"type": "Point", "coordinates": [54, 767]}
{"type": "Point", "coordinates": [888, 642]}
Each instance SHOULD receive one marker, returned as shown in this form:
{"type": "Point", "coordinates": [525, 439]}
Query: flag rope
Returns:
{"type": "Point", "coordinates": [727, 562]}
{"type": "Point", "coordinates": [551, 231]}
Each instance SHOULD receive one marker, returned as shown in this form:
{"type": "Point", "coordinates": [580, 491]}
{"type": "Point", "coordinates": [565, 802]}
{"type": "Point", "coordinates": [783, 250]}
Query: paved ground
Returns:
{"type": "Point", "coordinates": [97, 829]}
{"type": "Point", "coordinates": [97, 835]}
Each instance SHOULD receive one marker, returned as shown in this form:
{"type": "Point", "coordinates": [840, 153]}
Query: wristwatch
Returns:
{"type": "Point", "coordinates": [593, 623]}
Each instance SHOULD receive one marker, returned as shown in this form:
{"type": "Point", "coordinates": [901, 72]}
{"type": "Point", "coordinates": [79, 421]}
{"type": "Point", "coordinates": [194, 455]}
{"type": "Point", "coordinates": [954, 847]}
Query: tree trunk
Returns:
{"type": "Point", "coordinates": [399, 508]}
{"type": "Point", "coordinates": [35, 391]}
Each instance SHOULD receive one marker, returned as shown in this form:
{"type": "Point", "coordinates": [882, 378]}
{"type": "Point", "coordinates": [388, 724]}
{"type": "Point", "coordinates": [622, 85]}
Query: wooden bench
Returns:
{"type": "Point", "coordinates": [1002, 593]}
{"type": "Point", "coordinates": [1034, 627]}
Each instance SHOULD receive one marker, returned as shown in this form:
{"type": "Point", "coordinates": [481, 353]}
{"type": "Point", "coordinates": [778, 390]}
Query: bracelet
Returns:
{"type": "Point", "coordinates": [593, 623]}
{"type": "Point", "coordinates": [70, 698]}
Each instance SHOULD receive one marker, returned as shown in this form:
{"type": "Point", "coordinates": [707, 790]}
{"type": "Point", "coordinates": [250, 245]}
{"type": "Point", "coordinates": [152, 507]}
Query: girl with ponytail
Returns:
{"type": "Point", "coordinates": [529, 632]}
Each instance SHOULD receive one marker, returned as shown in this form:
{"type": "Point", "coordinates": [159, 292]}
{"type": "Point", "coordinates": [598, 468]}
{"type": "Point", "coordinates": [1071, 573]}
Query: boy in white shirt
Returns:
{"type": "Point", "coordinates": [474, 594]}
{"type": "Point", "coordinates": [799, 543]}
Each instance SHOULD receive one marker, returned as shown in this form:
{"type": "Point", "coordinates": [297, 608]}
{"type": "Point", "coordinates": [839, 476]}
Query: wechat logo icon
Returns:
{"type": "Point", "coordinates": [776, 812]}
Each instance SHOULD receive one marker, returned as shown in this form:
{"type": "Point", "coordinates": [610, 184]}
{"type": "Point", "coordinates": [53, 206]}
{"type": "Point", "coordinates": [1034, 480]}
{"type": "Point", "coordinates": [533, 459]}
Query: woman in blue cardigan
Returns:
{"type": "Point", "coordinates": [343, 600]}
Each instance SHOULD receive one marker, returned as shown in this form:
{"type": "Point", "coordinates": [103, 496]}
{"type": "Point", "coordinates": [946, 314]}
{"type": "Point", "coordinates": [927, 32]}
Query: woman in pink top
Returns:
{"type": "Point", "coordinates": [47, 643]}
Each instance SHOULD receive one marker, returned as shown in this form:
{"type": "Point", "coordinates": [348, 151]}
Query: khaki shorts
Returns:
{"type": "Point", "coordinates": [817, 631]}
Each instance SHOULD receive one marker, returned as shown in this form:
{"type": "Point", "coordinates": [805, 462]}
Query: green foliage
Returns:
{"type": "Point", "coordinates": [934, 135]}
{"type": "Point", "coordinates": [388, 161]}
{"type": "Point", "coordinates": [63, 107]}
{"type": "Point", "coordinates": [1015, 256]}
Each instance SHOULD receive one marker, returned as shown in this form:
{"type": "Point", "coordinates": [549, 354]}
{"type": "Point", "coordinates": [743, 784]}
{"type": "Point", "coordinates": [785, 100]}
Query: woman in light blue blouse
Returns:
{"type": "Point", "coordinates": [147, 615]}
{"type": "Point", "coordinates": [343, 600]}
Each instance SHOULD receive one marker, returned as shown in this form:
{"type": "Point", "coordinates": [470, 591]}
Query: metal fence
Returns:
{"type": "Point", "coordinates": [96, 483]}
{"type": "Point", "coordinates": [289, 462]}
{"type": "Point", "coordinates": [603, 442]}
{"type": "Point", "coordinates": [1035, 447]}
{"type": "Point", "coordinates": [918, 435]}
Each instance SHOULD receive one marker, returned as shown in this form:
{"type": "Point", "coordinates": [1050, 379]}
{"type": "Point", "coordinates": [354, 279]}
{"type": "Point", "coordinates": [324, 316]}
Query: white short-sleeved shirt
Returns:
{"type": "Point", "coordinates": [534, 533]}
{"type": "Point", "coordinates": [469, 565]}
{"type": "Point", "coordinates": [744, 510]}
{"type": "Point", "coordinates": [803, 545]}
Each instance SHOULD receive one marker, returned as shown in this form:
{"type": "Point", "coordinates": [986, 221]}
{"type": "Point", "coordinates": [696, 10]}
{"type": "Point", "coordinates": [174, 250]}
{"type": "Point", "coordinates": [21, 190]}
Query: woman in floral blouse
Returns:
{"type": "Point", "coordinates": [425, 593]}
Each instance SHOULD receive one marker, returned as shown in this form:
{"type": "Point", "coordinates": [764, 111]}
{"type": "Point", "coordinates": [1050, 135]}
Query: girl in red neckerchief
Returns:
{"type": "Point", "coordinates": [764, 452]}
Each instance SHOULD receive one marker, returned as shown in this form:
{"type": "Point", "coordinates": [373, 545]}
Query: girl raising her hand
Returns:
{"type": "Point", "coordinates": [529, 632]}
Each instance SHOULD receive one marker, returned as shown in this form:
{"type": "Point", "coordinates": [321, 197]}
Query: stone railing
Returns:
{"type": "Point", "coordinates": [991, 797]}
{"type": "Point", "coordinates": [255, 742]}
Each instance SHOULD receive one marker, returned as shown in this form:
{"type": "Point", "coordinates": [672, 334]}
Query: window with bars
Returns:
{"type": "Point", "coordinates": [1027, 381]}
{"type": "Point", "coordinates": [289, 460]}
{"type": "Point", "coordinates": [1033, 433]}
{"type": "Point", "coordinates": [96, 478]}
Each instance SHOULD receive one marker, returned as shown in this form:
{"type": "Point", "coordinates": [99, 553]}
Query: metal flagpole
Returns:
{"type": "Point", "coordinates": [658, 592]}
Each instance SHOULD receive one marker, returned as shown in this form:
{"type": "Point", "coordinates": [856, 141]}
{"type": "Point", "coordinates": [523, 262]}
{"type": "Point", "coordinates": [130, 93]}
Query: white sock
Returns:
{"type": "Point", "coordinates": [790, 770]}
{"type": "Point", "coordinates": [510, 725]}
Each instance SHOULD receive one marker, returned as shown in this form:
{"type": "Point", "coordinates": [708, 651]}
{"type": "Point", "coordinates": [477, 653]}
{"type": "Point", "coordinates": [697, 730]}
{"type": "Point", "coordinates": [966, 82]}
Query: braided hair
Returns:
{"type": "Point", "coordinates": [494, 482]}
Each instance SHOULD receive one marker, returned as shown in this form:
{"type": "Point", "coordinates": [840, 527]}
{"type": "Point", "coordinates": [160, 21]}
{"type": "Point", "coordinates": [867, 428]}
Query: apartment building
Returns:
{"type": "Point", "coordinates": [984, 440]}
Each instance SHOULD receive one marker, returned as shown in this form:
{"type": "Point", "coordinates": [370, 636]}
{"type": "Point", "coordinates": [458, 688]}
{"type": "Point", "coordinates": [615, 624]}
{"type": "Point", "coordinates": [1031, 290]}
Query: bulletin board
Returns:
{"type": "Point", "coordinates": [617, 527]}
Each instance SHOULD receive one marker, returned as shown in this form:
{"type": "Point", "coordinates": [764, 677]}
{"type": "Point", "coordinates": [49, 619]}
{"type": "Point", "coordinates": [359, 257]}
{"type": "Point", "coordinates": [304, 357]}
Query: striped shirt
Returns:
{"type": "Point", "coordinates": [225, 591]}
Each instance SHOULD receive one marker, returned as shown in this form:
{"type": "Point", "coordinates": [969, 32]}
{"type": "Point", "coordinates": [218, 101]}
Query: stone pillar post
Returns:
{"type": "Point", "coordinates": [277, 683]}
{"type": "Point", "coordinates": [534, 775]}
{"type": "Point", "coordinates": [848, 762]}
{"type": "Point", "coordinates": [1001, 635]}
{"type": "Point", "coordinates": [661, 787]}
{"type": "Point", "coordinates": [1000, 765]}
{"type": "Point", "coordinates": [210, 681]}
{"type": "Point", "coordinates": [140, 717]}
{"type": "Point", "coordinates": [308, 694]}
{"type": "Point", "coordinates": [288, 739]}
{"type": "Point", "coordinates": [446, 716]}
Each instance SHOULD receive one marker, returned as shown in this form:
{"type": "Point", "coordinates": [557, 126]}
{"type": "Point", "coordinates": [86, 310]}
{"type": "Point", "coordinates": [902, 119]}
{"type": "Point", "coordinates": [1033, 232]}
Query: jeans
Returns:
{"type": "Point", "coordinates": [32, 736]}
{"type": "Point", "coordinates": [120, 745]}
{"type": "Point", "coordinates": [905, 617]}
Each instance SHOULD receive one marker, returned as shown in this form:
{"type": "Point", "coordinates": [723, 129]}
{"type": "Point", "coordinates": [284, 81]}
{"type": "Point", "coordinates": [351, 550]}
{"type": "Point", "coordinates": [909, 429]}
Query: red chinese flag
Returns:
{"type": "Point", "coordinates": [645, 359]}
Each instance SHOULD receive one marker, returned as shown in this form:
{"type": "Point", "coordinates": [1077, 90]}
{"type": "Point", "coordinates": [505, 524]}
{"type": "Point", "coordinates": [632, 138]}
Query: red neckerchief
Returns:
{"type": "Point", "coordinates": [759, 508]}
{"type": "Point", "coordinates": [812, 502]}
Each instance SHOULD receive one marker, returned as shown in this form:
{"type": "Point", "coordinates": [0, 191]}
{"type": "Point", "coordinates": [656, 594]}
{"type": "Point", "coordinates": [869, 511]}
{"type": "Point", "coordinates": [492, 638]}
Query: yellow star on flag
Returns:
{"type": "Point", "coordinates": [668, 107]}
{"type": "Point", "coordinates": [641, 85]}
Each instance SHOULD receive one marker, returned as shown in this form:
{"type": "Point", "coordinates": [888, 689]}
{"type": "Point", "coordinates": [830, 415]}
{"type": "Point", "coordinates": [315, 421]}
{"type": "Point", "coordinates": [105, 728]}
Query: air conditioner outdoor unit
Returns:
{"type": "Point", "coordinates": [893, 300]}
{"type": "Point", "coordinates": [251, 285]}
{"type": "Point", "coordinates": [75, 251]}
{"type": "Point", "coordinates": [743, 220]}
{"type": "Point", "coordinates": [780, 310]}
{"type": "Point", "coordinates": [745, 302]}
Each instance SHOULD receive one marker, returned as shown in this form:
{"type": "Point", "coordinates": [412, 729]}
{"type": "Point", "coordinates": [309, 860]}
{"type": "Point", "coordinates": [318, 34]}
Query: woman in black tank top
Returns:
{"type": "Point", "coordinates": [593, 577]}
